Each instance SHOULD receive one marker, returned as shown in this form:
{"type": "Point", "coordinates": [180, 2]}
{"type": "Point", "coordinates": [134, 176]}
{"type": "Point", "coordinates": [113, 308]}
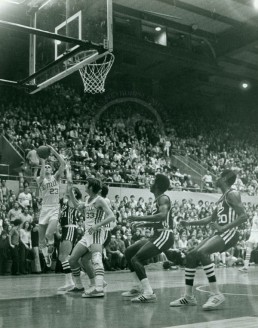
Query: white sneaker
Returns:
{"type": "Point", "coordinates": [65, 288]}
{"type": "Point", "coordinates": [144, 298]}
{"type": "Point", "coordinates": [184, 301]}
{"type": "Point", "coordinates": [131, 293]}
{"type": "Point", "coordinates": [213, 302]}
{"type": "Point", "coordinates": [93, 292]}
{"type": "Point", "coordinates": [244, 269]}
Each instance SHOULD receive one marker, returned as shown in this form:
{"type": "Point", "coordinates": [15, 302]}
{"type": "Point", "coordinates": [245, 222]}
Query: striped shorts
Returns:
{"type": "Point", "coordinates": [69, 233]}
{"type": "Point", "coordinates": [230, 238]}
{"type": "Point", "coordinates": [96, 238]}
{"type": "Point", "coordinates": [163, 240]}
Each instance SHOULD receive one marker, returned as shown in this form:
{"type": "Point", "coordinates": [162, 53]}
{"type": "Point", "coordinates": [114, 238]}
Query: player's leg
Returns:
{"type": "Point", "coordinates": [97, 290]}
{"type": "Point", "coordinates": [87, 267]}
{"type": "Point", "coordinates": [215, 244]}
{"type": "Point", "coordinates": [191, 264]}
{"type": "Point", "coordinates": [138, 261]}
{"type": "Point", "coordinates": [79, 250]}
{"type": "Point", "coordinates": [129, 254]}
{"type": "Point", "coordinates": [42, 241]}
{"type": "Point", "coordinates": [64, 252]}
{"type": "Point", "coordinates": [249, 247]}
{"type": "Point", "coordinates": [50, 232]}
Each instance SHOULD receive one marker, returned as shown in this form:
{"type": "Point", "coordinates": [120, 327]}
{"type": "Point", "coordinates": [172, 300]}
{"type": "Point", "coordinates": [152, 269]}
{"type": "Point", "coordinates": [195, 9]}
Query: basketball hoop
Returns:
{"type": "Point", "coordinates": [94, 74]}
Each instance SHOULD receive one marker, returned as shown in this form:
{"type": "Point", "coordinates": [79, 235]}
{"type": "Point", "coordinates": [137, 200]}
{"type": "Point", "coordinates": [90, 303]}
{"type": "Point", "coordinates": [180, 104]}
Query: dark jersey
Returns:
{"type": "Point", "coordinates": [168, 222]}
{"type": "Point", "coordinates": [68, 215]}
{"type": "Point", "coordinates": [225, 213]}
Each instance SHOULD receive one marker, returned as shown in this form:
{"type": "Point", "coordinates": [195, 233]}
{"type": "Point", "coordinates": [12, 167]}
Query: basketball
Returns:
{"type": "Point", "coordinates": [43, 152]}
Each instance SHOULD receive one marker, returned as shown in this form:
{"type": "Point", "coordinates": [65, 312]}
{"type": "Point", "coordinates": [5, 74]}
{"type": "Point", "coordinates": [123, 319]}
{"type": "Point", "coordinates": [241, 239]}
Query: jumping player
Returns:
{"type": "Point", "coordinates": [97, 215]}
{"type": "Point", "coordinates": [48, 183]}
{"type": "Point", "coordinates": [162, 240]}
{"type": "Point", "coordinates": [227, 216]}
{"type": "Point", "coordinates": [251, 243]}
{"type": "Point", "coordinates": [68, 222]}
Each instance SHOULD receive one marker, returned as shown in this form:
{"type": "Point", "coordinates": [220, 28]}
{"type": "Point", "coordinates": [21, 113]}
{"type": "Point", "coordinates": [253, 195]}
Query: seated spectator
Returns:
{"type": "Point", "coordinates": [15, 212]}
{"type": "Point", "coordinates": [25, 216]}
{"type": "Point", "coordinates": [25, 198]}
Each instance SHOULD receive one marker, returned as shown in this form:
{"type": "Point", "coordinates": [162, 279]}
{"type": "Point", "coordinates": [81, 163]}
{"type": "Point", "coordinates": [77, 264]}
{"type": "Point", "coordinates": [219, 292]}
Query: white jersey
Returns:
{"type": "Point", "coordinates": [93, 215]}
{"type": "Point", "coordinates": [50, 189]}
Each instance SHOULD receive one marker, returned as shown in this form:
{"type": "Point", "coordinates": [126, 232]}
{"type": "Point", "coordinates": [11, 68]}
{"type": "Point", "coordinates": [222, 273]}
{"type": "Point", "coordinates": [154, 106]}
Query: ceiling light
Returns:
{"type": "Point", "coordinates": [158, 28]}
{"type": "Point", "coordinates": [245, 85]}
{"type": "Point", "coordinates": [255, 4]}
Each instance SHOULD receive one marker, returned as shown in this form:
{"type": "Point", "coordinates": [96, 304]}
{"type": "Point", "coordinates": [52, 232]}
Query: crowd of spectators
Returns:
{"type": "Point", "coordinates": [19, 253]}
{"type": "Point", "coordinates": [128, 145]}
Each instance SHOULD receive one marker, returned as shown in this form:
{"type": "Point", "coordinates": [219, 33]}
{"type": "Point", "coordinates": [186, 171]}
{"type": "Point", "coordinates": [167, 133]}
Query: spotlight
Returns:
{"type": "Point", "coordinates": [158, 28]}
{"type": "Point", "coordinates": [245, 85]}
{"type": "Point", "coordinates": [255, 4]}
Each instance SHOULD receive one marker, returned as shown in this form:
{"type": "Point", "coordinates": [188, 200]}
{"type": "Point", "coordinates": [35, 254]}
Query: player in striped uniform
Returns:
{"type": "Point", "coordinates": [68, 222]}
{"type": "Point", "coordinates": [225, 219]}
{"type": "Point", "coordinates": [97, 214]}
{"type": "Point", "coordinates": [48, 184]}
{"type": "Point", "coordinates": [162, 240]}
{"type": "Point", "coordinates": [252, 243]}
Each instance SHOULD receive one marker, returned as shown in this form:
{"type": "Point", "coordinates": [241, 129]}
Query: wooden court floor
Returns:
{"type": "Point", "coordinates": [33, 301]}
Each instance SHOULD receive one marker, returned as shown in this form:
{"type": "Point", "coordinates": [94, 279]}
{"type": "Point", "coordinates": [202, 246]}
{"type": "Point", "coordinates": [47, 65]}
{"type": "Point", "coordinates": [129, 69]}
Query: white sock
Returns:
{"type": "Point", "coordinates": [69, 279]}
{"type": "Point", "coordinates": [146, 286]}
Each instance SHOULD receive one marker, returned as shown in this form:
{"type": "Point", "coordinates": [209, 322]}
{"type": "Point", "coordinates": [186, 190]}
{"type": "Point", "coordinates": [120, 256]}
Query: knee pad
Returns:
{"type": "Point", "coordinates": [97, 260]}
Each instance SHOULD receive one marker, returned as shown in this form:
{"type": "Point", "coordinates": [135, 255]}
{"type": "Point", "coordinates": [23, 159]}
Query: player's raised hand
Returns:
{"type": "Point", "coordinates": [132, 219]}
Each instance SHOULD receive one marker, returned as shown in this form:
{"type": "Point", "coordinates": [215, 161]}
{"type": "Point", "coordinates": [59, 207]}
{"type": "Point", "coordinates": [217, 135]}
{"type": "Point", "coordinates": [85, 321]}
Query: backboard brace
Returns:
{"type": "Point", "coordinates": [65, 35]}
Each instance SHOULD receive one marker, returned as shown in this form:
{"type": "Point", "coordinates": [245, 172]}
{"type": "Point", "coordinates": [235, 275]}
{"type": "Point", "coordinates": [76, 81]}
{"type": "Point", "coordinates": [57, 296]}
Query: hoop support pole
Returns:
{"type": "Point", "coordinates": [50, 35]}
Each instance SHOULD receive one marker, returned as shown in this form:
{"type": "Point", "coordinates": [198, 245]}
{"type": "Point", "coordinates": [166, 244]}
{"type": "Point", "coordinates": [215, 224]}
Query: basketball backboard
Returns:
{"type": "Point", "coordinates": [89, 20]}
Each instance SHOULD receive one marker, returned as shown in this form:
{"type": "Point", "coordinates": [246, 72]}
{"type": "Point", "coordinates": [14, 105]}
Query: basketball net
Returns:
{"type": "Point", "coordinates": [94, 74]}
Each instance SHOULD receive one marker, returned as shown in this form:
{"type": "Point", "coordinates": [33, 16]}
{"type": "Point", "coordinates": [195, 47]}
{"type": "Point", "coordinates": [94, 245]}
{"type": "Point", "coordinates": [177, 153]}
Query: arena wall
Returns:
{"type": "Point", "coordinates": [145, 193]}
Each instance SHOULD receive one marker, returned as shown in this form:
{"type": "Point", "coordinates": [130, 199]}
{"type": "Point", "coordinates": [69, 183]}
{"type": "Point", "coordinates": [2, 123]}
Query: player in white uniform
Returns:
{"type": "Point", "coordinates": [86, 262]}
{"type": "Point", "coordinates": [48, 218]}
{"type": "Point", "coordinates": [97, 215]}
{"type": "Point", "coordinates": [252, 243]}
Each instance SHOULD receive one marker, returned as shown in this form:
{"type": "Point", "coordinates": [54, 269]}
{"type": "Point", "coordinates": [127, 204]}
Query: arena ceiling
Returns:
{"type": "Point", "coordinates": [213, 42]}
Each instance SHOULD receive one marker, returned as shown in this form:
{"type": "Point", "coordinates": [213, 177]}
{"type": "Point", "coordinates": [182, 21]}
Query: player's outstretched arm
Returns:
{"type": "Point", "coordinates": [61, 161]}
{"type": "Point", "coordinates": [42, 173]}
{"type": "Point", "coordinates": [164, 207]}
{"type": "Point", "coordinates": [234, 201]}
{"type": "Point", "coordinates": [204, 221]}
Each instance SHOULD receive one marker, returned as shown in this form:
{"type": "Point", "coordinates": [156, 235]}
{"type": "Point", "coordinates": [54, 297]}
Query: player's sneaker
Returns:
{"type": "Point", "coordinates": [213, 302]}
{"type": "Point", "coordinates": [244, 269]}
{"type": "Point", "coordinates": [76, 290]}
{"type": "Point", "coordinates": [65, 288]}
{"type": "Point", "coordinates": [144, 298]}
{"type": "Point", "coordinates": [184, 301]}
{"type": "Point", "coordinates": [93, 292]}
{"type": "Point", "coordinates": [131, 293]}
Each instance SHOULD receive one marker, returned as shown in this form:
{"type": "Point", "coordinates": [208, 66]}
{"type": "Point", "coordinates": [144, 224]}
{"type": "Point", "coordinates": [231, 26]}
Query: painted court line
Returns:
{"type": "Point", "coordinates": [233, 294]}
{"type": "Point", "coordinates": [247, 322]}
